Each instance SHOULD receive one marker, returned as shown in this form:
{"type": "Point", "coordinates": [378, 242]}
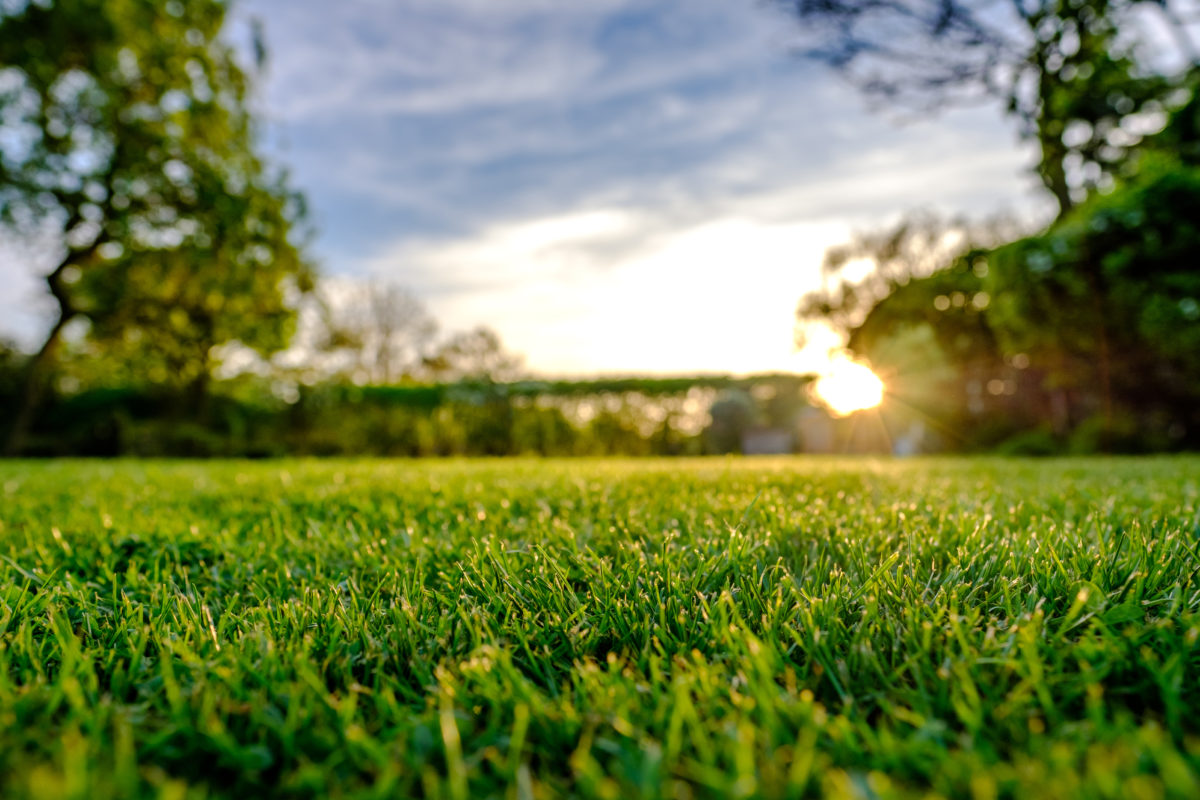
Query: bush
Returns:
{"type": "Point", "coordinates": [1123, 435]}
{"type": "Point", "coordinates": [1038, 442]}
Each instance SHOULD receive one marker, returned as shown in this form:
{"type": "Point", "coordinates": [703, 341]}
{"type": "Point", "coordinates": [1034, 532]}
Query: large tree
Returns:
{"type": "Point", "coordinates": [910, 298]}
{"type": "Point", "coordinates": [1091, 82]}
{"type": "Point", "coordinates": [1091, 327]}
{"type": "Point", "coordinates": [129, 143]}
{"type": "Point", "coordinates": [1108, 302]}
{"type": "Point", "coordinates": [1086, 79]}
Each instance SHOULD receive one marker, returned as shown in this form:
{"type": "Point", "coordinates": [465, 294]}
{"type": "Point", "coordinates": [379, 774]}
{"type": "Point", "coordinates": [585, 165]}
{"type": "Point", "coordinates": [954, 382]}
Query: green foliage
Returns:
{"type": "Point", "coordinates": [1107, 302]}
{"type": "Point", "coordinates": [949, 300]}
{"type": "Point", "coordinates": [733, 413]}
{"type": "Point", "coordinates": [1120, 435]}
{"type": "Point", "coordinates": [1090, 329]}
{"type": "Point", "coordinates": [916, 368]}
{"type": "Point", "coordinates": [604, 629]}
{"type": "Point", "coordinates": [916, 247]}
{"type": "Point", "coordinates": [251, 416]}
{"type": "Point", "coordinates": [1094, 322]}
{"type": "Point", "coordinates": [129, 142]}
{"type": "Point", "coordinates": [922, 320]}
{"type": "Point", "coordinates": [1036, 442]}
{"type": "Point", "coordinates": [1095, 91]}
{"type": "Point", "coordinates": [475, 355]}
{"type": "Point", "coordinates": [11, 365]}
{"type": "Point", "coordinates": [1082, 78]}
{"type": "Point", "coordinates": [1135, 248]}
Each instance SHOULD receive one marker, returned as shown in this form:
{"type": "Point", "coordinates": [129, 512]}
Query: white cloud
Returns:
{"type": "Point", "coordinates": [707, 282]}
{"type": "Point", "coordinates": [713, 296]}
{"type": "Point", "coordinates": [507, 255]}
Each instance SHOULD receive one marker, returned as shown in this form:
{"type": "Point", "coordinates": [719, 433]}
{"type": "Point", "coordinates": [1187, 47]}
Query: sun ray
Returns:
{"type": "Point", "coordinates": [848, 386]}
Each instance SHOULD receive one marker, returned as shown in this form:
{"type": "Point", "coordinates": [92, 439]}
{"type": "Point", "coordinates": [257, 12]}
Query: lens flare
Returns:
{"type": "Point", "coordinates": [848, 386]}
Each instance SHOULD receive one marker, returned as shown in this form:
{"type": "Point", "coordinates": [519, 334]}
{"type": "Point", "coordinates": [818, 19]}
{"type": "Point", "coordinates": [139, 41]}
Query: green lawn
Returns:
{"type": "Point", "coordinates": [618, 629]}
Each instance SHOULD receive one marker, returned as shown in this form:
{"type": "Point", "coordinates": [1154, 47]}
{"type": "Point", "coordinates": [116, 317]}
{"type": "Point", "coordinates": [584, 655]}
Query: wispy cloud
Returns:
{"type": "Point", "coordinates": [713, 296]}
{"type": "Point", "coordinates": [461, 56]}
{"type": "Point", "coordinates": [671, 284]}
{"type": "Point", "coordinates": [529, 163]}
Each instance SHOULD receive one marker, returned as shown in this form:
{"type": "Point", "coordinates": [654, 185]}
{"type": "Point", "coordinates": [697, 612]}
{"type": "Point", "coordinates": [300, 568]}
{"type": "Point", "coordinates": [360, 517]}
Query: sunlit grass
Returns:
{"type": "Point", "coordinates": [620, 629]}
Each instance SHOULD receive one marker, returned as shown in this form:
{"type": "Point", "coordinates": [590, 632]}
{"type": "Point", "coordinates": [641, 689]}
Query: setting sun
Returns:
{"type": "Point", "coordinates": [848, 386]}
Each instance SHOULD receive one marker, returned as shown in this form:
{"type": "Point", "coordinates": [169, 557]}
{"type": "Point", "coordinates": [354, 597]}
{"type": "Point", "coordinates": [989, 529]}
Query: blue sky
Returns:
{"type": "Point", "coordinates": [613, 185]}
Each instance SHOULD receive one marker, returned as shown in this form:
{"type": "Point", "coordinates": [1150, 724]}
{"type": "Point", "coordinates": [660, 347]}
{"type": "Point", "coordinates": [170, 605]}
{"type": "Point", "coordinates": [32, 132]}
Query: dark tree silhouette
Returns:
{"type": "Point", "coordinates": [1085, 79]}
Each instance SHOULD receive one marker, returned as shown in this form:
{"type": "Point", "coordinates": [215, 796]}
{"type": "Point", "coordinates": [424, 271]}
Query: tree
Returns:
{"type": "Point", "coordinates": [1090, 329]}
{"type": "Point", "coordinates": [1108, 302]}
{"type": "Point", "coordinates": [1064, 315]}
{"type": "Point", "coordinates": [911, 299]}
{"type": "Point", "coordinates": [859, 274]}
{"type": "Point", "coordinates": [863, 273]}
{"type": "Point", "coordinates": [128, 139]}
{"type": "Point", "coordinates": [371, 331]}
{"type": "Point", "coordinates": [474, 355]}
{"type": "Point", "coordinates": [733, 413]}
{"type": "Point", "coordinates": [1076, 74]}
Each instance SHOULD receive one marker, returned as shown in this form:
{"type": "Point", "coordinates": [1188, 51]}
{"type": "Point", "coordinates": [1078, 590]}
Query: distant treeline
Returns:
{"type": "Point", "coordinates": [251, 417]}
{"type": "Point", "coordinates": [256, 417]}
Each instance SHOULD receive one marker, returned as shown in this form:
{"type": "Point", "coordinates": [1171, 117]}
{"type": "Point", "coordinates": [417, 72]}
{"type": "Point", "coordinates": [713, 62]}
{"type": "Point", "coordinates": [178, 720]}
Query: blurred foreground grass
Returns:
{"type": "Point", "coordinates": [620, 629]}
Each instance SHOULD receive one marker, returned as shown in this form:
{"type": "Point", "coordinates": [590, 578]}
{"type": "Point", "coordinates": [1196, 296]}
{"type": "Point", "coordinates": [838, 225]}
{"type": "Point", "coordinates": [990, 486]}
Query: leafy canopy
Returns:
{"type": "Point", "coordinates": [129, 147]}
{"type": "Point", "coordinates": [1086, 80]}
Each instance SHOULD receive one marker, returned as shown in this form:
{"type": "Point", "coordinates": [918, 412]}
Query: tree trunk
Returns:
{"type": "Point", "coordinates": [1104, 364]}
{"type": "Point", "coordinates": [34, 385]}
{"type": "Point", "coordinates": [1040, 124]}
{"type": "Point", "coordinates": [1051, 166]}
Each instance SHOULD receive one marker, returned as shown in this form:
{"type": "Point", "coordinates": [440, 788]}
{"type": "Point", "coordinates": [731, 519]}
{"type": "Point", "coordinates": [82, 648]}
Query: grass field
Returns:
{"type": "Point", "coordinates": [616, 629]}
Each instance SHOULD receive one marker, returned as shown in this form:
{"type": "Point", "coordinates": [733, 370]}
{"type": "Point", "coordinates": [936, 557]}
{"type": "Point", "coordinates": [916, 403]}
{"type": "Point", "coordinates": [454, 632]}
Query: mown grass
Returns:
{"type": "Point", "coordinates": [614, 629]}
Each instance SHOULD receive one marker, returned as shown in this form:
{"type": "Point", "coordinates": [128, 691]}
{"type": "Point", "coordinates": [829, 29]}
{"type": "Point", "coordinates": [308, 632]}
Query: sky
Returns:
{"type": "Point", "coordinates": [614, 186]}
